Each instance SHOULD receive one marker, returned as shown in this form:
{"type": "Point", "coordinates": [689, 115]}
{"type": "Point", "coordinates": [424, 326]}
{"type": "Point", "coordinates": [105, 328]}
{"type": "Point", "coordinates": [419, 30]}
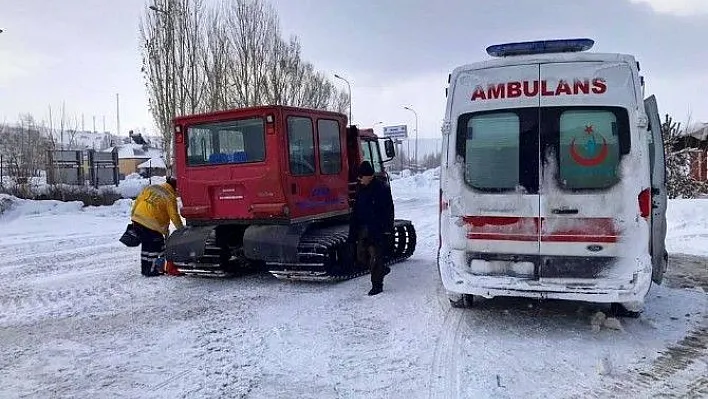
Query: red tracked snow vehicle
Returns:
{"type": "Point", "coordinates": [272, 187]}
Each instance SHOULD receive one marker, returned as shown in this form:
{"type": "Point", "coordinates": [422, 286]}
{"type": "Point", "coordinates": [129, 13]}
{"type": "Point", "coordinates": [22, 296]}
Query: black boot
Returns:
{"type": "Point", "coordinates": [377, 289]}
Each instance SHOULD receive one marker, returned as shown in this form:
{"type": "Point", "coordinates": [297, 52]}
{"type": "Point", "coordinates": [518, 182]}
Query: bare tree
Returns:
{"type": "Point", "coordinates": [198, 58]}
{"type": "Point", "coordinates": [24, 149]}
{"type": "Point", "coordinates": [215, 59]}
{"type": "Point", "coordinates": [253, 35]}
{"type": "Point", "coordinates": [679, 182]}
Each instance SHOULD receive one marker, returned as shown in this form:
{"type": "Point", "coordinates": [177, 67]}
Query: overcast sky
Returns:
{"type": "Point", "coordinates": [394, 52]}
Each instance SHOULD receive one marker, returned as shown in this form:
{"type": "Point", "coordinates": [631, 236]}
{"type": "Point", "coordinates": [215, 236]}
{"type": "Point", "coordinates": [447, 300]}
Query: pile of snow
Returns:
{"type": "Point", "coordinates": [687, 226]}
{"type": "Point", "coordinates": [408, 186]}
{"type": "Point", "coordinates": [134, 184]}
{"type": "Point", "coordinates": [120, 208]}
{"type": "Point", "coordinates": [13, 207]}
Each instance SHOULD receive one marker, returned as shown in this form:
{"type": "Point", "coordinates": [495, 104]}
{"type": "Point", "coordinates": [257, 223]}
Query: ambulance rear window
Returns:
{"type": "Point", "coordinates": [492, 151]}
{"type": "Point", "coordinates": [589, 149]}
{"type": "Point", "coordinates": [500, 149]}
{"type": "Point", "coordinates": [582, 147]}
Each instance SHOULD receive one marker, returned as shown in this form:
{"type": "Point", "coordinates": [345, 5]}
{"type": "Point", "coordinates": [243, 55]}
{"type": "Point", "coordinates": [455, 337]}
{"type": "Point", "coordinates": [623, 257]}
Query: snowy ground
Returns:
{"type": "Point", "coordinates": [78, 320]}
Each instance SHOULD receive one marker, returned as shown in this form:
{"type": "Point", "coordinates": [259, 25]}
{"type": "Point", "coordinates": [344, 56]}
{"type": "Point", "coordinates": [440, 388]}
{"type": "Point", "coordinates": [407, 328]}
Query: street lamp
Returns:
{"type": "Point", "coordinates": [416, 133]}
{"type": "Point", "coordinates": [349, 87]}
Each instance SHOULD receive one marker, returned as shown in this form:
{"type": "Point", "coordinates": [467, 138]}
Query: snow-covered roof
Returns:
{"type": "Point", "coordinates": [701, 133]}
{"type": "Point", "coordinates": [136, 151]}
{"type": "Point", "coordinates": [158, 163]}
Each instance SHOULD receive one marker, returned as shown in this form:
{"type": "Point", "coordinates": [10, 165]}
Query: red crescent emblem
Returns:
{"type": "Point", "coordinates": [593, 161]}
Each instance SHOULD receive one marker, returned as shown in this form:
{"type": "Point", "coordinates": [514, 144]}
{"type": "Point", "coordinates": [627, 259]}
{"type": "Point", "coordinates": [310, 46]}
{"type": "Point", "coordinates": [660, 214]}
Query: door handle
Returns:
{"type": "Point", "coordinates": [564, 211]}
{"type": "Point", "coordinates": [293, 188]}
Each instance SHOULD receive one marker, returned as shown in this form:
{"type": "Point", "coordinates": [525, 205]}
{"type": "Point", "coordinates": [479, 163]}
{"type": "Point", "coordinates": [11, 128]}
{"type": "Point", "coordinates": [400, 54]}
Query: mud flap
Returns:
{"type": "Point", "coordinates": [187, 244]}
{"type": "Point", "coordinates": [278, 244]}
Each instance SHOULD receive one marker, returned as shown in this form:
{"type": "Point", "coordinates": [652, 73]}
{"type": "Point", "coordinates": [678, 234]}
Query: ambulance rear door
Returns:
{"type": "Point", "coordinates": [585, 135]}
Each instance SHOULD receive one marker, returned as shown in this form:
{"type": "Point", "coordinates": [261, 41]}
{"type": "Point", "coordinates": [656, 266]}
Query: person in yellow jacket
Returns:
{"type": "Point", "coordinates": [152, 212]}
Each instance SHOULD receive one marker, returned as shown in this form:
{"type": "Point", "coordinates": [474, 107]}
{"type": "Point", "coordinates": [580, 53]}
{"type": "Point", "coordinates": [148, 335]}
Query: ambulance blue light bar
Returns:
{"type": "Point", "coordinates": [540, 47]}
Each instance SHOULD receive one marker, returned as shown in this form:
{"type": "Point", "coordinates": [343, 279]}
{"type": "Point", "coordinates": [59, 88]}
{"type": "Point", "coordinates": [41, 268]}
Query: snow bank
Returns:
{"type": "Point", "coordinates": [14, 207]}
{"type": "Point", "coordinates": [121, 208]}
{"type": "Point", "coordinates": [133, 184]}
{"type": "Point", "coordinates": [687, 226]}
{"type": "Point", "coordinates": [408, 186]}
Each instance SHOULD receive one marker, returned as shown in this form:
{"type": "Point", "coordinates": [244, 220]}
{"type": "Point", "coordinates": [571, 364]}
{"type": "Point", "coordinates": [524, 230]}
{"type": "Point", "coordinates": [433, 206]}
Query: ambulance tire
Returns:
{"type": "Point", "coordinates": [619, 310]}
{"type": "Point", "coordinates": [461, 301]}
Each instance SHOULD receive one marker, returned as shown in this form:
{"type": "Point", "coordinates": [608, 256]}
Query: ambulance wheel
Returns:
{"type": "Point", "coordinates": [461, 301]}
{"type": "Point", "coordinates": [620, 310]}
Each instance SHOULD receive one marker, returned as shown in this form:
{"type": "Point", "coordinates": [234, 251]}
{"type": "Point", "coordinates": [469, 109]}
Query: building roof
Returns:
{"type": "Point", "coordinates": [154, 163]}
{"type": "Point", "coordinates": [136, 151]}
{"type": "Point", "coordinates": [701, 133]}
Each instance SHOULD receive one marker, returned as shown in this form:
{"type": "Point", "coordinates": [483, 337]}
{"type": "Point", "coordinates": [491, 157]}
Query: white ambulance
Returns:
{"type": "Point", "coordinates": [552, 179]}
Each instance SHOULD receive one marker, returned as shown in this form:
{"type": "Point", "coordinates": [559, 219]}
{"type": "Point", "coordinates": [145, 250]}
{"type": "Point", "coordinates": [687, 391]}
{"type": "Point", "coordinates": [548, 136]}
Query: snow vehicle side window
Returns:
{"type": "Point", "coordinates": [369, 152]}
{"type": "Point", "coordinates": [301, 146]}
{"type": "Point", "coordinates": [492, 151]}
{"type": "Point", "coordinates": [589, 147]}
{"type": "Point", "coordinates": [375, 156]}
{"type": "Point", "coordinates": [230, 142]}
{"type": "Point", "coordinates": [366, 151]}
{"type": "Point", "coordinates": [330, 146]}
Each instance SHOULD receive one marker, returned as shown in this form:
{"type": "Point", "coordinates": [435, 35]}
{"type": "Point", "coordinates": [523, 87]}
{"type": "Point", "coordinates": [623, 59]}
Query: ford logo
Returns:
{"type": "Point", "coordinates": [594, 248]}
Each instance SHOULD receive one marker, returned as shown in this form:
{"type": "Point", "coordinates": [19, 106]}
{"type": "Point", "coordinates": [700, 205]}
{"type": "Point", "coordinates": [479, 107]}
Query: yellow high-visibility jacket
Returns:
{"type": "Point", "coordinates": [155, 207]}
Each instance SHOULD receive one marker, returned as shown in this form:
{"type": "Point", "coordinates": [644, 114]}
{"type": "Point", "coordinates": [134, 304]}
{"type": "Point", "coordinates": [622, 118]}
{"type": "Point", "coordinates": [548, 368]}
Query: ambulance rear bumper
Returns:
{"type": "Point", "coordinates": [592, 281]}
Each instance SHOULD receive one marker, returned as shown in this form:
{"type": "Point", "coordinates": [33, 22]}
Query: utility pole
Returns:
{"type": "Point", "coordinates": [117, 115]}
{"type": "Point", "coordinates": [416, 134]}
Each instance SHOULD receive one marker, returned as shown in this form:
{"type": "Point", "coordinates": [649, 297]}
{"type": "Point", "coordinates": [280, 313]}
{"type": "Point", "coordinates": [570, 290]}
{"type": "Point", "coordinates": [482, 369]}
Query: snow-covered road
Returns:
{"type": "Point", "coordinates": [78, 320]}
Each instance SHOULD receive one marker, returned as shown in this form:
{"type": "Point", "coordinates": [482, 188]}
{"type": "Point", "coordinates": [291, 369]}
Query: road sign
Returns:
{"type": "Point", "coordinates": [396, 132]}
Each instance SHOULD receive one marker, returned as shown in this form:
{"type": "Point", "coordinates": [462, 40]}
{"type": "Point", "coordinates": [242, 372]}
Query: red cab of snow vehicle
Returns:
{"type": "Point", "coordinates": [257, 182]}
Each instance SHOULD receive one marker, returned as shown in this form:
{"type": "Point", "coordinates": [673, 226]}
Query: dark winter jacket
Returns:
{"type": "Point", "coordinates": [373, 209]}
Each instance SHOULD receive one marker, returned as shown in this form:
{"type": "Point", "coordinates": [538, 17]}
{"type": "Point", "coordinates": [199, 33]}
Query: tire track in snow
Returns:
{"type": "Point", "coordinates": [34, 306]}
{"type": "Point", "coordinates": [29, 256]}
{"type": "Point", "coordinates": [444, 373]}
{"type": "Point", "coordinates": [367, 359]}
{"type": "Point", "coordinates": [665, 369]}
{"type": "Point", "coordinates": [47, 243]}
{"type": "Point", "coordinates": [677, 360]}
{"type": "Point", "coordinates": [93, 282]}
{"type": "Point", "coordinates": [228, 356]}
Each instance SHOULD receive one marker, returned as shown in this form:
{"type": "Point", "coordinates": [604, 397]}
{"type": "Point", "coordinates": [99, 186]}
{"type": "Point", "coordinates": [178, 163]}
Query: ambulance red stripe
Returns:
{"type": "Point", "coordinates": [497, 228]}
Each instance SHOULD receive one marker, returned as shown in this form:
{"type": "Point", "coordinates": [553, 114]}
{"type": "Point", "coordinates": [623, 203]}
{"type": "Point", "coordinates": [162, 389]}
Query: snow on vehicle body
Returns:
{"type": "Point", "coordinates": [547, 180]}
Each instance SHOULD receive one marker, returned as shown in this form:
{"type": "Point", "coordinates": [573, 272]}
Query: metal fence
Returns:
{"type": "Point", "coordinates": [103, 168]}
{"type": "Point", "coordinates": [66, 167]}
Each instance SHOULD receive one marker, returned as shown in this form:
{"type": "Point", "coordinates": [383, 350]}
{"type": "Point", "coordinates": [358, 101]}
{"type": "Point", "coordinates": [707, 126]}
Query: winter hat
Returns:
{"type": "Point", "coordinates": [365, 169]}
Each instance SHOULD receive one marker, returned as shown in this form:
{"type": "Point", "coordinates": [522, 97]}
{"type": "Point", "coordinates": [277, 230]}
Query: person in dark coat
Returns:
{"type": "Point", "coordinates": [371, 224]}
